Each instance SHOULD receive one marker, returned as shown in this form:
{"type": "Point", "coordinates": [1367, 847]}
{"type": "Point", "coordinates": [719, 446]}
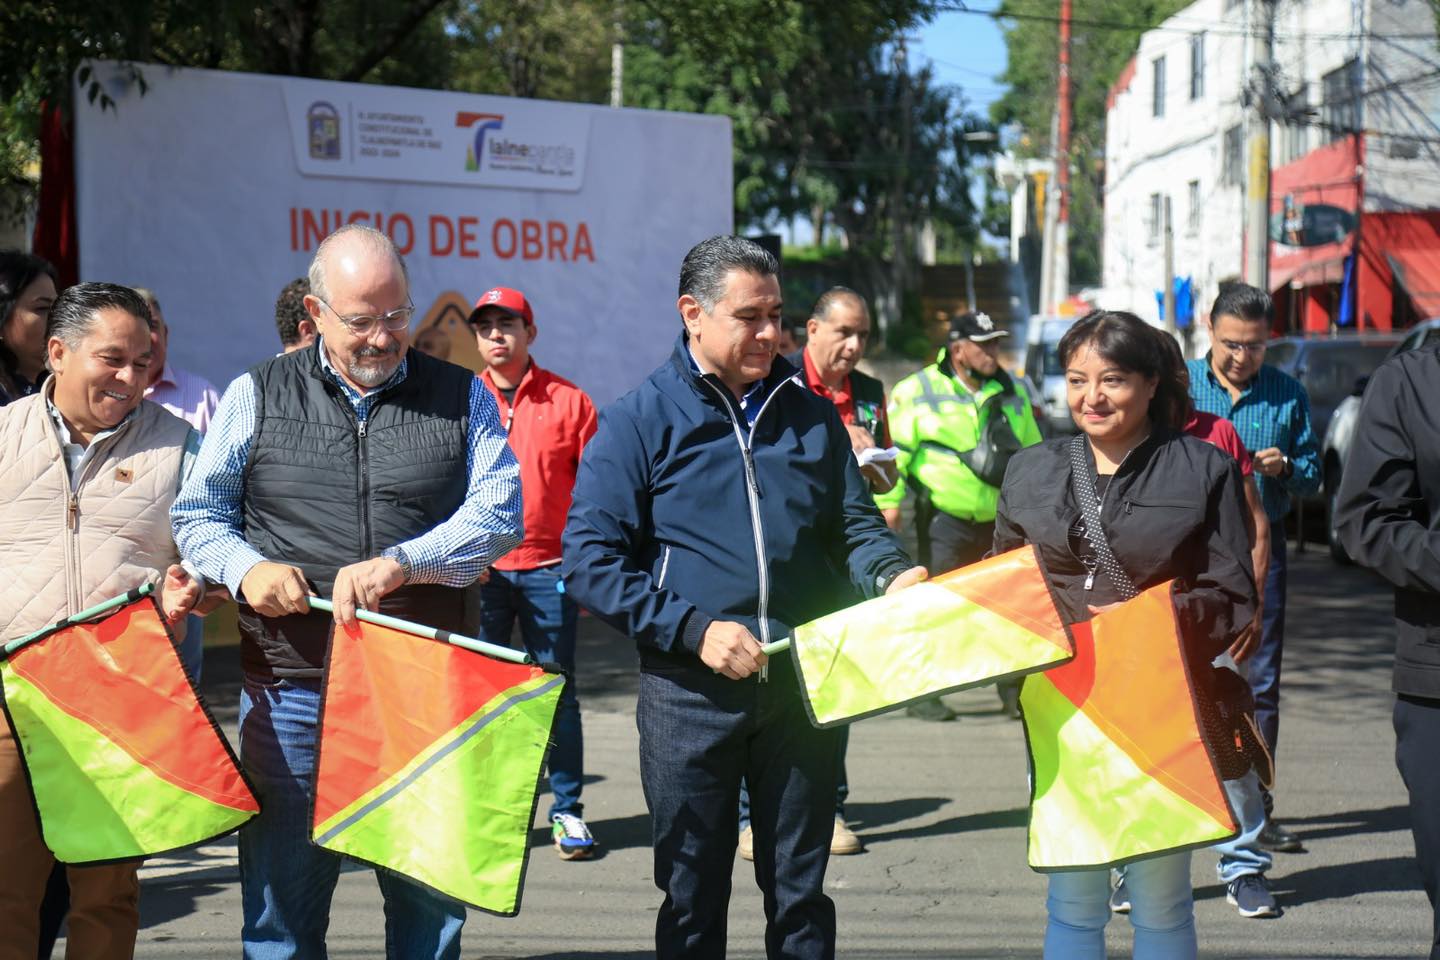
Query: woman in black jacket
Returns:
{"type": "Point", "coordinates": [1171, 507]}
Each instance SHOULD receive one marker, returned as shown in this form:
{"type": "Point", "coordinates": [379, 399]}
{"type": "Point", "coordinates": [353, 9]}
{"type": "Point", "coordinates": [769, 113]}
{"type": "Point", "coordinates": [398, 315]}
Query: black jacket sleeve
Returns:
{"type": "Point", "coordinates": [1383, 519]}
{"type": "Point", "coordinates": [1218, 601]}
{"type": "Point", "coordinates": [609, 517]}
{"type": "Point", "coordinates": [865, 546]}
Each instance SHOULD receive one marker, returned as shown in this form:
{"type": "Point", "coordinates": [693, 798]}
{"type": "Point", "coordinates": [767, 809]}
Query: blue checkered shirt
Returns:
{"type": "Point", "coordinates": [209, 529]}
{"type": "Point", "coordinates": [1272, 411]}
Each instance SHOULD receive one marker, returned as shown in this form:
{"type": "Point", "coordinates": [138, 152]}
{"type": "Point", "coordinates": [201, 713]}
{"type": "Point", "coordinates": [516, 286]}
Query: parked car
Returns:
{"type": "Point", "coordinates": [1042, 366]}
{"type": "Point", "coordinates": [1335, 448]}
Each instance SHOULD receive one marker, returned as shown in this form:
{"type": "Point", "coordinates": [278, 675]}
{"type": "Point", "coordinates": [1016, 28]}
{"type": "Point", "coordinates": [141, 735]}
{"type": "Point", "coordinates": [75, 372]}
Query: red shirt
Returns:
{"type": "Point", "coordinates": [1221, 433]}
{"type": "Point", "coordinates": [549, 425]}
{"type": "Point", "coordinates": [844, 400]}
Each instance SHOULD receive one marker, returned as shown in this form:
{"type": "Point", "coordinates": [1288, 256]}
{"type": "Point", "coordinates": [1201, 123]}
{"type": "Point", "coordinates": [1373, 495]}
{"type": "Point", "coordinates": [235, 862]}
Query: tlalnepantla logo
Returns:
{"type": "Point", "coordinates": [499, 152]}
{"type": "Point", "coordinates": [481, 123]}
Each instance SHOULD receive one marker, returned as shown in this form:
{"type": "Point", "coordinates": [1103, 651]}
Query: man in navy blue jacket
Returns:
{"type": "Point", "coordinates": [718, 506]}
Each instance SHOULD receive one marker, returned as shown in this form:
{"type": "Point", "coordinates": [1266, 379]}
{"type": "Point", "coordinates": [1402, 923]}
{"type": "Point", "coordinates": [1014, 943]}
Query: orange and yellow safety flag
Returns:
{"type": "Point", "coordinates": [989, 621]}
{"type": "Point", "coordinates": [430, 760]}
{"type": "Point", "coordinates": [1119, 769]}
{"type": "Point", "coordinates": [123, 758]}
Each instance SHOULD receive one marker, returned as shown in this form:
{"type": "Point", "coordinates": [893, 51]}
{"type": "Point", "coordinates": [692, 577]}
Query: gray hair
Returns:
{"type": "Point", "coordinates": [709, 262]}
{"type": "Point", "coordinates": [834, 295]}
{"type": "Point", "coordinates": [375, 240]}
{"type": "Point", "coordinates": [74, 312]}
{"type": "Point", "coordinates": [151, 301]}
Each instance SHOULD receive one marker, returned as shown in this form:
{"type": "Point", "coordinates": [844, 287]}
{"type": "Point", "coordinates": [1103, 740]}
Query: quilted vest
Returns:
{"type": "Point", "coordinates": [321, 493]}
{"type": "Point", "coordinates": [62, 552]}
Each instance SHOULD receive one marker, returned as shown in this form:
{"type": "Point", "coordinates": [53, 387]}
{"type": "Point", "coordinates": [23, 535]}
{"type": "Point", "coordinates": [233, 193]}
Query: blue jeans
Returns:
{"type": "Point", "coordinates": [700, 733]}
{"type": "Point", "coordinates": [1162, 911]}
{"type": "Point", "coordinates": [1244, 855]}
{"type": "Point", "coordinates": [537, 598]}
{"type": "Point", "coordinates": [286, 882]}
{"type": "Point", "coordinates": [1264, 666]}
{"type": "Point", "coordinates": [192, 648]}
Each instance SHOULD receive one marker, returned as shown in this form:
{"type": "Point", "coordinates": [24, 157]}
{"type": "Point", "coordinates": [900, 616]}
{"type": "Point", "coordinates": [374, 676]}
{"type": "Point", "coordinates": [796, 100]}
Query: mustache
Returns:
{"type": "Point", "coordinates": [366, 352]}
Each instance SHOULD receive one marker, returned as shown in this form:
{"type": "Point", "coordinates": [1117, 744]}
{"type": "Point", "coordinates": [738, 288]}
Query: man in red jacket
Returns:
{"type": "Point", "coordinates": [549, 421]}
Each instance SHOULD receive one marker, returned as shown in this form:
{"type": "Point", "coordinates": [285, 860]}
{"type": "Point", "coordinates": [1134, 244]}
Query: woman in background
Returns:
{"type": "Point", "coordinates": [27, 289]}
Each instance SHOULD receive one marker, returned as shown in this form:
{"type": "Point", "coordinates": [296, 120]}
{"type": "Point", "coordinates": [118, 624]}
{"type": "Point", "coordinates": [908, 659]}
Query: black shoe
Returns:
{"type": "Point", "coordinates": [933, 710]}
{"type": "Point", "coordinates": [1009, 691]}
{"type": "Point", "coordinates": [1277, 838]}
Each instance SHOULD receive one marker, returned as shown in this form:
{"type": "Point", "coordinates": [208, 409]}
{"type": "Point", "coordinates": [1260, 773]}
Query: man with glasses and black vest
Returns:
{"type": "Point", "coordinates": [1271, 412]}
{"type": "Point", "coordinates": [363, 471]}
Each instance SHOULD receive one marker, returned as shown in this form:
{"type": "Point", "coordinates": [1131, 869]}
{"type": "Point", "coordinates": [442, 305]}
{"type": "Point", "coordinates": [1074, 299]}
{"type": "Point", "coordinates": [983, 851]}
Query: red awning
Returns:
{"type": "Point", "coordinates": [1314, 273]}
{"type": "Point", "coordinates": [1418, 271]}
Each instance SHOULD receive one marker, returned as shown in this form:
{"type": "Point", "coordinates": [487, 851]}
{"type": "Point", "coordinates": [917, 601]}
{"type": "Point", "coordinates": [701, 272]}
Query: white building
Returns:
{"type": "Point", "coordinates": [1360, 80]}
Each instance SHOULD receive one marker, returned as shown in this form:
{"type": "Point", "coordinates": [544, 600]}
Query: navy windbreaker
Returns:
{"type": "Point", "coordinates": [683, 514]}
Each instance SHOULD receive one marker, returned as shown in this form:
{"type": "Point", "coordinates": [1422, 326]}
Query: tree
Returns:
{"type": "Point", "coordinates": [1102, 43]}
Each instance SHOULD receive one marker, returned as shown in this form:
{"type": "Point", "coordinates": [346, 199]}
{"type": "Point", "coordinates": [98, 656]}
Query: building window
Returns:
{"type": "Point", "coordinates": [1197, 66]}
{"type": "Point", "coordinates": [1340, 115]}
{"type": "Point", "coordinates": [1155, 222]}
{"type": "Point", "coordinates": [1295, 136]}
{"type": "Point", "coordinates": [1158, 69]}
{"type": "Point", "coordinates": [1232, 166]}
{"type": "Point", "coordinates": [1192, 219]}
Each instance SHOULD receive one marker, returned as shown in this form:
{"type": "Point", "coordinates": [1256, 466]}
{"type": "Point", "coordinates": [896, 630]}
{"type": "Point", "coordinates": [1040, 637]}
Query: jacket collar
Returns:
{"type": "Point", "coordinates": [782, 371]}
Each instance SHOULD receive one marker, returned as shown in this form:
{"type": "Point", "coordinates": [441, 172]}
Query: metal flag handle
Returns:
{"type": "Point", "coordinates": [419, 629]}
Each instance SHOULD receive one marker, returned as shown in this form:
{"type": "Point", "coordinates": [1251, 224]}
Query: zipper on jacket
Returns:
{"type": "Point", "coordinates": [664, 569]}
{"type": "Point", "coordinates": [752, 493]}
{"type": "Point", "coordinates": [362, 455]}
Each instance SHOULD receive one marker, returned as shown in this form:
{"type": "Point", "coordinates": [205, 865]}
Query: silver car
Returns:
{"type": "Point", "coordinates": [1335, 448]}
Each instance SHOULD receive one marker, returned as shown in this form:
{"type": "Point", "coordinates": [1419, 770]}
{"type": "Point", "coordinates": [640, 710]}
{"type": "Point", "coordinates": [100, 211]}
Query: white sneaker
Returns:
{"type": "Point", "coordinates": [747, 844]}
{"type": "Point", "coordinates": [572, 837]}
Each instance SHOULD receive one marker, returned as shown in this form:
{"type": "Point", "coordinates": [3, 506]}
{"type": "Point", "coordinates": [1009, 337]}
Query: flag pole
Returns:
{"type": "Point", "coordinates": [419, 629]}
{"type": "Point", "coordinates": [778, 646]}
{"type": "Point", "coordinates": [14, 646]}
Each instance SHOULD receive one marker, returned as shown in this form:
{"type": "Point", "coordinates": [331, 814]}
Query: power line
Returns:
{"type": "Point", "coordinates": [1214, 27]}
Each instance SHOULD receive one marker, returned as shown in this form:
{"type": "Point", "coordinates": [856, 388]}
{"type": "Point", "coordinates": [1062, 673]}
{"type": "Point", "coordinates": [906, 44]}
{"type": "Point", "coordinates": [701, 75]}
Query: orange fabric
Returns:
{"type": "Point", "coordinates": [389, 696]}
{"type": "Point", "coordinates": [127, 662]}
{"type": "Point", "coordinates": [549, 425]}
{"type": "Point", "coordinates": [1129, 676]}
{"type": "Point", "coordinates": [1012, 585]}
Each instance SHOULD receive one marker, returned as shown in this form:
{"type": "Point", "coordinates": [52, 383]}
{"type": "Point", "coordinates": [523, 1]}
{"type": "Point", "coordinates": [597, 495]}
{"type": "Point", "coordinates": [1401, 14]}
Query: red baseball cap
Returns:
{"type": "Point", "coordinates": [511, 301]}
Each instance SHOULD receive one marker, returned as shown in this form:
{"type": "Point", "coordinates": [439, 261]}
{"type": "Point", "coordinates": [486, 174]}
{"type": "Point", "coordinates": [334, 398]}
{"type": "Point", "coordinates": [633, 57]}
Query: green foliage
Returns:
{"type": "Point", "coordinates": [1097, 57]}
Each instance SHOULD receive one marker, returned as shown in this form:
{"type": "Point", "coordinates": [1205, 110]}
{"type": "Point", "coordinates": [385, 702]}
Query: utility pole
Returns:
{"type": "Point", "coordinates": [1257, 143]}
{"type": "Point", "coordinates": [617, 61]}
{"type": "Point", "coordinates": [1055, 250]}
{"type": "Point", "coordinates": [1170, 322]}
{"type": "Point", "coordinates": [1061, 285]}
{"type": "Point", "coordinates": [898, 252]}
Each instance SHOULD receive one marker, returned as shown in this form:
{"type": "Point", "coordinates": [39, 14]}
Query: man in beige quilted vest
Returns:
{"type": "Point", "coordinates": [87, 475]}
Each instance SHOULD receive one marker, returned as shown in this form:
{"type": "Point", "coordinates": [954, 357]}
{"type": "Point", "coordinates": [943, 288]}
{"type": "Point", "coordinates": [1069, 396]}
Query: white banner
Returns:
{"type": "Point", "coordinates": [213, 189]}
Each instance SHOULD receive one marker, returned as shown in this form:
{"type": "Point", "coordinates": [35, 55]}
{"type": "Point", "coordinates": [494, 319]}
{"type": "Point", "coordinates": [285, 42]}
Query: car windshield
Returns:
{"type": "Point", "coordinates": [1331, 369]}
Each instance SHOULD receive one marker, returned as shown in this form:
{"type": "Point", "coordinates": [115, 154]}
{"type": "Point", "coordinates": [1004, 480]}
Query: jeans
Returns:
{"type": "Point", "coordinates": [286, 882]}
{"type": "Point", "coordinates": [1264, 663]}
{"type": "Point", "coordinates": [192, 648]}
{"type": "Point", "coordinates": [1244, 855]}
{"type": "Point", "coordinates": [700, 733]}
{"type": "Point", "coordinates": [842, 783]}
{"type": "Point", "coordinates": [1417, 741]}
{"type": "Point", "coordinates": [1162, 911]}
{"type": "Point", "coordinates": [547, 628]}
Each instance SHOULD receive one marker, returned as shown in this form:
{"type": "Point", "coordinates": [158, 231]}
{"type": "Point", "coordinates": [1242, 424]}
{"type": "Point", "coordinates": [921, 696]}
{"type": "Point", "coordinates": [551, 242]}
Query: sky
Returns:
{"type": "Point", "coordinates": [967, 51]}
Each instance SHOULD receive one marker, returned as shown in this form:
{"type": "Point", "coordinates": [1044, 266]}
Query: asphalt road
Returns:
{"type": "Point", "coordinates": [941, 808]}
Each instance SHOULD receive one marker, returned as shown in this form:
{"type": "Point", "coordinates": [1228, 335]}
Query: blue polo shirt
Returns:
{"type": "Point", "coordinates": [1272, 411]}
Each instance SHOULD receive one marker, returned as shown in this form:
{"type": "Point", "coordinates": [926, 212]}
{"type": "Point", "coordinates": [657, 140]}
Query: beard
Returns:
{"type": "Point", "coordinates": [377, 372]}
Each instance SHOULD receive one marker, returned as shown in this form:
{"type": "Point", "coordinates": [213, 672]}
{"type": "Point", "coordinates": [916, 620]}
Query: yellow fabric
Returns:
{"type": "Point", "coordinates": [984, 622]}
{"type": "Point", "coordinates": [933, 417]}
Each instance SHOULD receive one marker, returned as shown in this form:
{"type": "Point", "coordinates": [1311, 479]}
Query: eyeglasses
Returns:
{"type": "Point", "coordinates": [363, 325]}
{"type": "Point", "coordinates": [1235, 346]}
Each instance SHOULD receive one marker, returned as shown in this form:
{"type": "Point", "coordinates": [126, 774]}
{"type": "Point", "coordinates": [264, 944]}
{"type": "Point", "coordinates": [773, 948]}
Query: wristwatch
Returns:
{"type": "Point", "coordinates": [398, 555]}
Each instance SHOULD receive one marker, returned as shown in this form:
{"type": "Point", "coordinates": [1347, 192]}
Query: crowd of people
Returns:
{"type": "Point", "coordinates": [747, 486]}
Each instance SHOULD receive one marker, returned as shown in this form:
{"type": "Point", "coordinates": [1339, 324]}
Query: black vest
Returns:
{"type": "Point", "coordinates": [321, 494]}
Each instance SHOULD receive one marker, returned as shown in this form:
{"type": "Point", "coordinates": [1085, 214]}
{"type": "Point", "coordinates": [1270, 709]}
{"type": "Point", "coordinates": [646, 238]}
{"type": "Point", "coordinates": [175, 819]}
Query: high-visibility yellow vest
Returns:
{"type": "Point", "coordinates": [933, 419]}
